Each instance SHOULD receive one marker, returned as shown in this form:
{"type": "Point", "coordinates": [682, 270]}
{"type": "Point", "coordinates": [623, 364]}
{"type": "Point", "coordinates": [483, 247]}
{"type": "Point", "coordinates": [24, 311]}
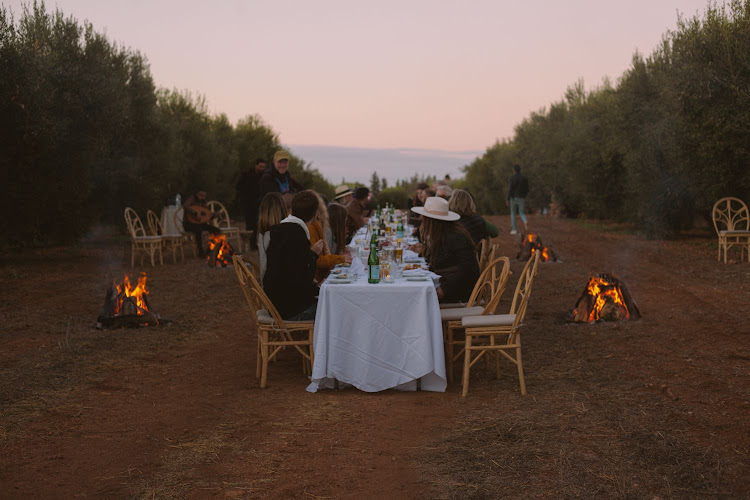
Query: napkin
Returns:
{"type": "Point", "coordinates": [357, 267]}
{"type": "Point", "coordinates": [410, 255]}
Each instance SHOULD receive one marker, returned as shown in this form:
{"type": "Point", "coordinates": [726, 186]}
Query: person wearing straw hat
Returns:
{"type": "Point", "coordinates": [448, 249]}
{"type": "Point", "coordinates": [343, 195]}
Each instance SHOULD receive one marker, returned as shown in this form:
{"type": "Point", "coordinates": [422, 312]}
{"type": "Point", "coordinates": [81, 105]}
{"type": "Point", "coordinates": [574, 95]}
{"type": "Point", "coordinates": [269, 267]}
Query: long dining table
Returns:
{"type": "Point", "coordinates": [378, 336]}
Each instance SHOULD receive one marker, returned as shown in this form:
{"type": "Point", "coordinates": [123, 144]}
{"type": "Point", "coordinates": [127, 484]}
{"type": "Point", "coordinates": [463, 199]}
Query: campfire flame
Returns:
{"type": "Point", "coordinates": [536, 245]}
{"type": "Point", "coordinates": [220, 247]}
{"type": "Point", "coordinates": [138, 294]}
{"type": "Point", "coordinates": [602, 288]}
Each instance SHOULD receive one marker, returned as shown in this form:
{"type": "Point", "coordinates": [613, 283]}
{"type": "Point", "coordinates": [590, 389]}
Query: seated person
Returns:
{"type": "Point", "coordinates": [196, 217]}
{"type": "Point", "coordinates": [355, 211]}
{"type": "Point", "coordinates": [449, 250]}
{"type": "Point", "coordinates": [272, 211]}
{"type": "Point", "coordinates": [462, 203]}
{"type": "Point", "coordinates": [318, 229]}
{"type": "Point", "coordinates": [291, 262]}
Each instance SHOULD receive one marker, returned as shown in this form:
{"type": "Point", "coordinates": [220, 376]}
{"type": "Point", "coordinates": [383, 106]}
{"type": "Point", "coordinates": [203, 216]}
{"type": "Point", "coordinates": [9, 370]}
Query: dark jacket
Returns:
{"type": "Point", "coordinates": [272, 181]}
{"type": "Point", "coordinates": [476, 226]}
{"type": "Point", "coordinates": [518, 186]}
{"type": "Point", "coordinates": [248, 191]}
{"type": "Point", "coordinates": [457, 266]}
{"type": "Point", "coordinates": [290, 270]}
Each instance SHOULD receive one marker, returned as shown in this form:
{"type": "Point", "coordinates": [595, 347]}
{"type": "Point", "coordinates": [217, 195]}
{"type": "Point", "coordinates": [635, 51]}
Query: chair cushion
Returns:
{"type": "Point", "coordinates": [451, 305]}
{"type": "Point", "coordinates": [459, 312]}
{"type": "Point", "coordinates": [489, 320]}
{"type": "Point", "coordinates": [735, 233]}
{"type": "Point", "coordinates": [230, 229]}
{"type": "Point", "coordinates": [265, 317]}
{"type": "Point", "coordinates": [147, 238]}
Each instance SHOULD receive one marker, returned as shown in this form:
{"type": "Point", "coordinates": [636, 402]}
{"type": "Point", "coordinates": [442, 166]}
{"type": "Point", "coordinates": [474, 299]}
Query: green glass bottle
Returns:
{"type": "Point", "coordinates": [400, 230]}
{"type": "Point", "coordinates": [373, 263]}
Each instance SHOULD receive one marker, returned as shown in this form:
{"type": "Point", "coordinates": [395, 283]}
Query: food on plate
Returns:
{"type": "Point", "coordinates": [409, 267]}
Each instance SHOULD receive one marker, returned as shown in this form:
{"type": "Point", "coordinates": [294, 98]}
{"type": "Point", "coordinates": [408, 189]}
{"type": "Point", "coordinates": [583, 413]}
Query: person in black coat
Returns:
{"type": "Point", "coordinates": [448, 250]}
{"type": "Point", "coordinates": [291, 263]}
{"type": "Point", "coordinates": [277, 178]}
{"type": "Point", "coordinates": [248, 188]}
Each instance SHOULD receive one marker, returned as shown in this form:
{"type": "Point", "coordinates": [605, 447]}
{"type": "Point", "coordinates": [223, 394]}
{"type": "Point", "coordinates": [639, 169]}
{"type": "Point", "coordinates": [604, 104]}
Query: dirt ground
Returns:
{"type": "Point", "coordinates": [652, 408]}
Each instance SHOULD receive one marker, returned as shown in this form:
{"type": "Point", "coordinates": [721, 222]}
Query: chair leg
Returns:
{"type": "Point", "coordinates": [521, 379]}
{"type": "Point", "coordinates": [132, 254]}
{"type": "Point", "coordinates": [497, 364]}
{"type": "Point", "coordinates": [449, 357]}
{"type": "Point", "coordinates": [258, 358]}
{"type": "Point", "coordinates": [467, 365]}
{"type": "Point", "coordinates": [264, 356]}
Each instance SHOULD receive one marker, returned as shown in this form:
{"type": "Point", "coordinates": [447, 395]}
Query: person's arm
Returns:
{"type": "Point", "coordinates": [466, 262]}
{"type": "Point", "coordinates": [492, 231]}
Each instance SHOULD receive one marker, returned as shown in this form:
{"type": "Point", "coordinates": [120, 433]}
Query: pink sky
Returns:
{"type": "Point", "coordinates": [444, 75]}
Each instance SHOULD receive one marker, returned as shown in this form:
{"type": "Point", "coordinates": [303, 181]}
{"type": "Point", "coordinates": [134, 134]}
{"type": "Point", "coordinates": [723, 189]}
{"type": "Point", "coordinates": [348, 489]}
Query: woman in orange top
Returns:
{"type": "Point", "coordinates": [317, 228]}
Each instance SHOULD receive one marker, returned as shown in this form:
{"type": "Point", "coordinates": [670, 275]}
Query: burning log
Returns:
{"type": "Point", "coordinates": [219, 251]}
{"type": "Point", "coordinates": [605, 298]}
{"type": "Point", "coordinates": [531, 243]}
{"type": "Point", "coordinates": [128, 306]}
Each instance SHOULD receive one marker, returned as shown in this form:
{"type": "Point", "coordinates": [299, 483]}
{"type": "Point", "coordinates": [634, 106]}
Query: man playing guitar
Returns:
{"type": "Point", "coordinates": [196, 218]}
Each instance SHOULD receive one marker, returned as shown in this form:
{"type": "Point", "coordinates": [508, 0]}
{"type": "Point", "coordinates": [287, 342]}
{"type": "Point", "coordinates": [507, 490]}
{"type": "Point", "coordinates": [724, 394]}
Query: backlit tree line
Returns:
{"type": "Point", "coordinates": [84, 132]}
{"type": "Point", "coordinates": [657, 148]}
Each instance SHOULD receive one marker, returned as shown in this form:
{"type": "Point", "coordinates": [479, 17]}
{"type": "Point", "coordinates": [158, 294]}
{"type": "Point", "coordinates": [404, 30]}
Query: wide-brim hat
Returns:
{"type": "Point", "coordinates": [436, 208]}
{"type": "Point", "coordinates": [343, 191]}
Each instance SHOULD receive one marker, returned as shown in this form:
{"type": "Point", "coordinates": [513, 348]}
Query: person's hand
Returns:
{"type": "Point", "coordinates": [440, 293]}
{"type": "Point", "coordinates": [348, 259]}
{"type": "Point", "coordinates": [317, 247]}
{"type": "Point", "coordinates": [416, 247]}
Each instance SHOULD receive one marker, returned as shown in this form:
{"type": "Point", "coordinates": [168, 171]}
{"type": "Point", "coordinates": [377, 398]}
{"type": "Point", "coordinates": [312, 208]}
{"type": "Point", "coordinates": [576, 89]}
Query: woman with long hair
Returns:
{"type": "Point", "coordinates": [448, 249]}
{"type": "Point", "coordinates": [337, 223]}
{"type": "Point", "coordinates": [317, 228]}
{"type": "Point", "coordinates": [272, 211]}
{"type": "Point", "coordinates": [462, 203]}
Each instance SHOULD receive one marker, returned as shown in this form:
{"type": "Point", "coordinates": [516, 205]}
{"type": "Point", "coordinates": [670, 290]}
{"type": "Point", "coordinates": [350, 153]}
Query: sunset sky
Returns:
{"type": "Point", "coordinates": [434, 75]}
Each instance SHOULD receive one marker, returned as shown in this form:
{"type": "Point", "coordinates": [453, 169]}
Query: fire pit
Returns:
{"type": "Point", "coordinates": [605, 298]}
{"type": "Point", "coordinates": [219, 251]}
{"type": "Point", "coordinates": [127, 306]}
{"type": "Point", "coordinates": [531, 243]}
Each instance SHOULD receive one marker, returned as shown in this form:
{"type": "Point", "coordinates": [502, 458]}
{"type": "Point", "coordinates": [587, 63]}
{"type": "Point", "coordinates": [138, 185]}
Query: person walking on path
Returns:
{"type": "Point", "coordinates": [518, 188]}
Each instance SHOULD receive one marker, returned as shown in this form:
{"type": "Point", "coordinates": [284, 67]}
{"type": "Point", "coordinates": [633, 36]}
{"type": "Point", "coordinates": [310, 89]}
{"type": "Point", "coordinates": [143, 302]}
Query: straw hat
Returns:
{"type": "Point", "coordinates": [343, 191]}
{"type": "Point", "coordinates": [436, 208]}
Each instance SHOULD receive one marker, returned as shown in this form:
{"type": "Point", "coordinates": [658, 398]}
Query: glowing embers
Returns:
{"type": "Point", "coordinates": [126, 305]}
{"type": "Point", "coordinates": [219, 251]}
{"type": "Point", "coordinates": [532, 243]}
{"type": "Point", "coordinates": [605, 298]}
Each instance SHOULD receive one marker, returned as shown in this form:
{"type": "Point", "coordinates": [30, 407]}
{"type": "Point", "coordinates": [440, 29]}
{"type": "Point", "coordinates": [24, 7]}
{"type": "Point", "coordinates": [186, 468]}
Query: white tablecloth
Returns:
{"type": "Point", "coordinates": [167, 220]}
{"type": "Point", "coordinates": [379, 336]}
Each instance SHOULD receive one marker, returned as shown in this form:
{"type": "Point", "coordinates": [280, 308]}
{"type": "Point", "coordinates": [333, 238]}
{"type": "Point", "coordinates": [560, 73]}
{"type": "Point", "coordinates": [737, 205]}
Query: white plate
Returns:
{"type": "Point", "coordinates": [412, 261]}
{"type": "Point", "coordinates": [340, 281]}
{"type": "Point", "coordinates": [417, 278]}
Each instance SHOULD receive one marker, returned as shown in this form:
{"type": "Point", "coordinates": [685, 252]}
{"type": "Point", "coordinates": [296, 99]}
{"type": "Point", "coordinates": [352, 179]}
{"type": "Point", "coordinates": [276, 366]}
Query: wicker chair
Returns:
{"type": "Point", "coordinates": [168, 242]}
{"type": "Point", "coordinates": [732, 224]}
{"type": "Point", "coordinates": [224, 223]}
{"type": "Point", "coordinates": [488, 291]}
{"type": "Point", "coordinates": [139, 240]}
{"type": "Point", "coordinates": [188, 238]}
{"type": "Point", "coordinates": [274, 333]}
{"type": "Point", "coordinates": [483, 332]}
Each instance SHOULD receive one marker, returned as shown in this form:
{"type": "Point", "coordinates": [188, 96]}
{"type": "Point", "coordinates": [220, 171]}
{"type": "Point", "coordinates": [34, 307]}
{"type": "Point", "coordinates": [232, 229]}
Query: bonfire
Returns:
{"type": "Point", "coordinates": [126, 305]}
{"type": "Point", "coordinates": [605, 298]}
{"type": "Point", "coordinates": [532, 243]}
{"type": "Point", "coordinates": [219, 251]}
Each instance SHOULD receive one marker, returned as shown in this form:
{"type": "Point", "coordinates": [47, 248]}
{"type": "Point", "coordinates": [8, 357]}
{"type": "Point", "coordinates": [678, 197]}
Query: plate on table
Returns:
{"type": "Point", "coordinates": [340, 281]}
{"type": "Point", "coordinates": [337, 271]}
{"type": "Point", "coordinates": [417, 278]}
{"type": "Point", "coordinates": [412, 261]}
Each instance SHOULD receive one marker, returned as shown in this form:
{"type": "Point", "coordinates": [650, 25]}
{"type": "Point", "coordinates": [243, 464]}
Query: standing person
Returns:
{"type": "Point", "coordinates": [343, 195]}
{"type": "Point", "coordinates": [272, 212]}
{"type": "Point", "coordinates": [248, 192]}
{"type": "Point", "coordinates": [355, 211]}
{"type": "Point", "coordinates": [448, 250]}
{"type": "Point", "coordinates": [277, 178]}
{"type": "Point", "coordinates": [292, 262]}
{"type": "Point", "coordinates": [518, 188]}
{"type": "Point", "coordinates": [196, 217]}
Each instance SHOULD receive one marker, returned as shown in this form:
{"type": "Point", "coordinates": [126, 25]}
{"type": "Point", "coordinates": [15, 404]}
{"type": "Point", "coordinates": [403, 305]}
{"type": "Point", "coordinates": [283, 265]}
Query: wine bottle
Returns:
{"type": "Point", "coordinates": [373, 262]}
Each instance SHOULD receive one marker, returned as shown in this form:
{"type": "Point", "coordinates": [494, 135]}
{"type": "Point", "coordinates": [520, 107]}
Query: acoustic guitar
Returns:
{"type": "Point", "coordinates": [198, 214]}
